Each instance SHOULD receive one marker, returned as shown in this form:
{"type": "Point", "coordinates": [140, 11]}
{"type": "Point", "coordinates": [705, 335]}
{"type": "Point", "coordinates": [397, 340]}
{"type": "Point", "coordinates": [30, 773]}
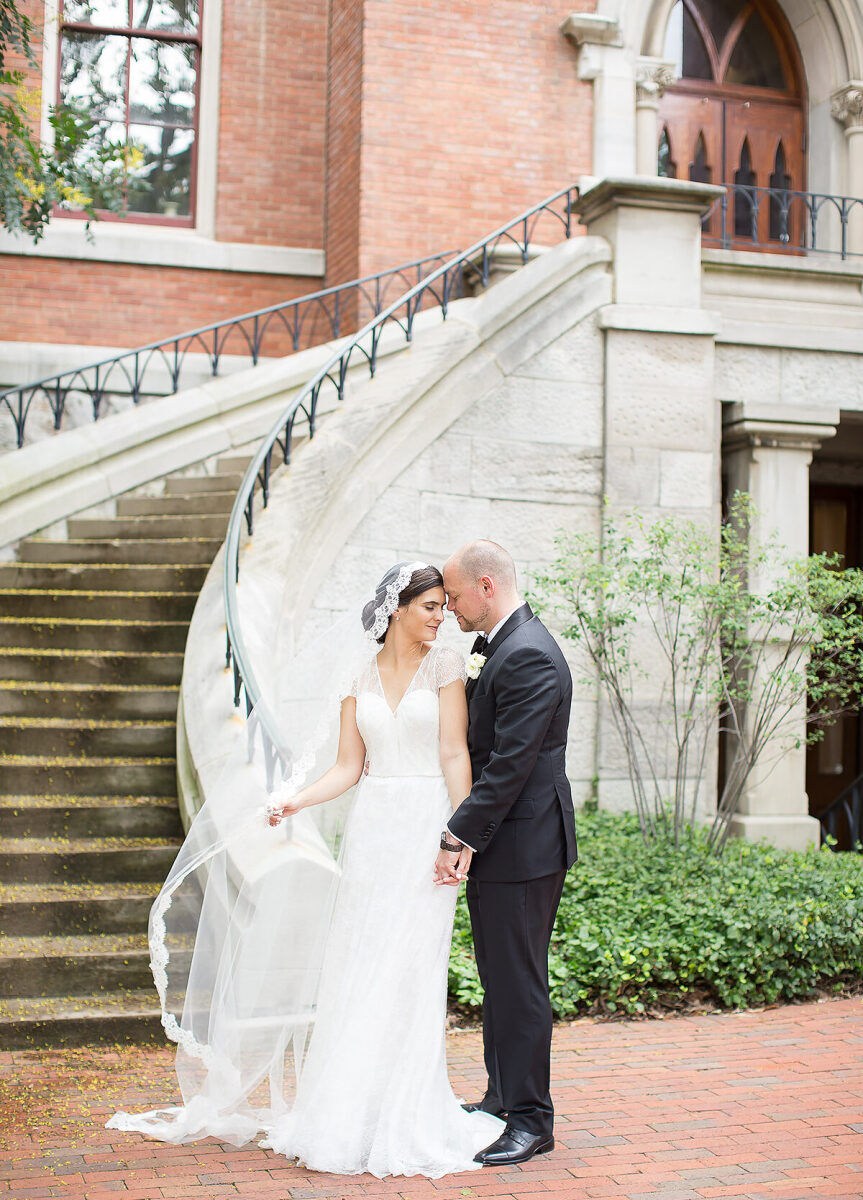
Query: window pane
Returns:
{"type": "Point", "coordinates": [719, 15]}
{"type": "Point", "coordinates": [696, 64]}
{"type": "Point", "coordinates": [755, 60]}
{"type": "Point", "coordinates": [685, 46]}
{"type": "Point", "coordinates": [113, 13]}
{"type": "Point", "coordinates": [93, 74]}
{"type": "Point", "coordinates": [180, 16]}
{"type": "Point", "coordinates": [162, 83]}
{"type": "Point", "coordinates": [163, 182]}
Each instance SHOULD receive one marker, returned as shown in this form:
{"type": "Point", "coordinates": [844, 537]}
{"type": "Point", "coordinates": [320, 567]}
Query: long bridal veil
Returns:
{"type": "Point", "coordinates": [239, 928]}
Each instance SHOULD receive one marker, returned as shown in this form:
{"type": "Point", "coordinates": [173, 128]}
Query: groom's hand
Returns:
{"type": "Point", "coordinates": [451, 867]}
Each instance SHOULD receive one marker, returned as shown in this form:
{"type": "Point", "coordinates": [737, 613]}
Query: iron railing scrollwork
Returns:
{"type": "Point", "coordinates": [842, 820]}
{"type": "Point", "coordinates": [279, 329]}
{"type": "Point", "coordinates": [439, 287]}
{"type": "Point", "coordinates": [771, 218]}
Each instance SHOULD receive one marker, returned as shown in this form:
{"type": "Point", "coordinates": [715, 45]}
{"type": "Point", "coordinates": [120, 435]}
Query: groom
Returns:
{"type": "Point", "coordinates": [516, 831]}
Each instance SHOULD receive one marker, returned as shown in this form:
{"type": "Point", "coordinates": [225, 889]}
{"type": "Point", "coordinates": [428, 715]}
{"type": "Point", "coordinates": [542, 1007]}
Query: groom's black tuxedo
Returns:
{"type": "Point", "coordinates": [519, 819]}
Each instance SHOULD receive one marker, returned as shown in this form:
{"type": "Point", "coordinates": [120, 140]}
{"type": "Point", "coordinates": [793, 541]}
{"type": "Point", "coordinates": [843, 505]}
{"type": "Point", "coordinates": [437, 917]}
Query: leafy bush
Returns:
{"type": "Point", "coordinates": [646, 925]}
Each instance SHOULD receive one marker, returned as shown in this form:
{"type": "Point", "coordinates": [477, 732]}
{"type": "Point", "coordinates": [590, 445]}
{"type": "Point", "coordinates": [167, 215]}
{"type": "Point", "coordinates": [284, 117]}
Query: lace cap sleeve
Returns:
{"type": "Point", "coordinates": [448, 667]}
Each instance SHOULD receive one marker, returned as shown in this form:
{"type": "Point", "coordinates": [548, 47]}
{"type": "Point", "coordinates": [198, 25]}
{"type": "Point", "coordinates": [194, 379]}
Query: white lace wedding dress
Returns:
{"type": "Point", "coordinates": [373, 1094]}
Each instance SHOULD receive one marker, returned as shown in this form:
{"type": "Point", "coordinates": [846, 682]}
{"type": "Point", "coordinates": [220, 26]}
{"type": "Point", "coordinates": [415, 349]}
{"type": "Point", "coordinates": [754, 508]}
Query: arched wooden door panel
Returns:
{"type": "Point", "coordinates": [736, 115]}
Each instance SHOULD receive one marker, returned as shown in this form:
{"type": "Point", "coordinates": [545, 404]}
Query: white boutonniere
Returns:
{"type": "Point", "coordinates": [474, 665]}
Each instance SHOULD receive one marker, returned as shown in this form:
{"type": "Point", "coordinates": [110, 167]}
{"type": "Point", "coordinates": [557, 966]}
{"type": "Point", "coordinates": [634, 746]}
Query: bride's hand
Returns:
{"type": "Point", "coordinates": [285, 808]}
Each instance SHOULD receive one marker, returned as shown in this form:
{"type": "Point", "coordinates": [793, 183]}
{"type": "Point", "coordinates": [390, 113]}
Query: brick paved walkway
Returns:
{"type": "Point", "coordinates": [750, 1106]}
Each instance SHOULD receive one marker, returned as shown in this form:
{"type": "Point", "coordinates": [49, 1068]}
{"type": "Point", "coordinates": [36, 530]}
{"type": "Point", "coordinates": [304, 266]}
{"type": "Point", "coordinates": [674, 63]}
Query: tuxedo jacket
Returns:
{"type": "Point", "coordinates": [519, 816]}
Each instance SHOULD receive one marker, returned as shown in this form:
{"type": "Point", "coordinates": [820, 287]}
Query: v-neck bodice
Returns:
{"type": "Point", "coordinates": [406, 740]}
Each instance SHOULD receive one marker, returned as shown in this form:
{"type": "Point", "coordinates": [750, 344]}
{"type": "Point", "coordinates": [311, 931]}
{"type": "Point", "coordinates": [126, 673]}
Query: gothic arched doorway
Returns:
{"type": "Point", "coordinates": [735, 115]}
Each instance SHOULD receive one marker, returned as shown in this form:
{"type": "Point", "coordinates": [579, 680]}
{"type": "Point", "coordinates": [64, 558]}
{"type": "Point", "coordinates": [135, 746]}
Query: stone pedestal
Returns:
{"type": "Point", "coordinates": [661, 423]}
{"type": "Point", "coordinates": [767, 451]}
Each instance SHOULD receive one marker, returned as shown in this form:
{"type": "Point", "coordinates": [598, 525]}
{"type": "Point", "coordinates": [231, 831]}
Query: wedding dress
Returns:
{"type": "Point", "coordinates": [302, 970]}
{"type": "Point", "coordinates": [373, 1094]}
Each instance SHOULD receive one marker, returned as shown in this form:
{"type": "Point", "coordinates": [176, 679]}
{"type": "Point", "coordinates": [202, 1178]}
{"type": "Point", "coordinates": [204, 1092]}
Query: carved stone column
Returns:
{"type": "Point", "coordinates": [767, 449]}
{"type": "Point", "coordinates": [847, 107]}
{"type": "Point", "coordinates": [652, 77]}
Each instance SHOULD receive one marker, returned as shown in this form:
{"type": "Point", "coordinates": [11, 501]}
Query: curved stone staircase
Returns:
{"type": "Point", "coordinates": [92, 634]}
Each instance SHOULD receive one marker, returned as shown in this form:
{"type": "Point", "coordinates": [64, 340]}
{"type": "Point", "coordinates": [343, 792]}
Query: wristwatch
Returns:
{"type": "Point", "coordinates": [452, 847]}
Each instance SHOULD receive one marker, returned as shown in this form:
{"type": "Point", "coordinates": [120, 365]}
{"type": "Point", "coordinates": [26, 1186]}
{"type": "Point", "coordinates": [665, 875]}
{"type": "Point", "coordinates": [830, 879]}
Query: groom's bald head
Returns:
{"type": "Point", "coordinates": [481, 585]}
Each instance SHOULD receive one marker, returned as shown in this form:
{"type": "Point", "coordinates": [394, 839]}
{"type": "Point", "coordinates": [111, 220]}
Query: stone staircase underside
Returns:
{"type": "Point", "coordinates": [92, 635]}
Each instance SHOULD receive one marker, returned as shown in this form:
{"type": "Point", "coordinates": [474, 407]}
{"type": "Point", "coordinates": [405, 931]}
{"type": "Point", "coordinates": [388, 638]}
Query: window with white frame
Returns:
{"type": "Point", "coordinates": [133, 67]}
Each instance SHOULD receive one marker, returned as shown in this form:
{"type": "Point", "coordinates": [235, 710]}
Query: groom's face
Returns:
{"type": "Point", "coordinates": [465, 600]}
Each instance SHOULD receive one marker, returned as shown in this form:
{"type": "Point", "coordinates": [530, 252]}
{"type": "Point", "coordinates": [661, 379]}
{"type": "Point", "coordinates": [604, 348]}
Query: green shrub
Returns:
{"type": "Point", "coordinates": [642, 925]}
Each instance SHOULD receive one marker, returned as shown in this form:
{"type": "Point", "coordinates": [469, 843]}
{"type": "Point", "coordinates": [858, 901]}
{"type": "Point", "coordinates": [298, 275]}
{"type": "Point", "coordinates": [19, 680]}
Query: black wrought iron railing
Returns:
{"type": "Point", "coordinates": [842, 821]}
{"type": "Point", "coordinates": [440, 286]}
{"type": "Point", "coordinates": [159, 367]}
{"type": "Point", "coordinates": [781, 219]}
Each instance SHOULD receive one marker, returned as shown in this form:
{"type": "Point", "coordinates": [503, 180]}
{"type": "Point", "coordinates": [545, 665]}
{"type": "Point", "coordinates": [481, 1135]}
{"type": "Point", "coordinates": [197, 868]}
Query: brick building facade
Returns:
{"type": "Point", "coordinates": [333, 140]}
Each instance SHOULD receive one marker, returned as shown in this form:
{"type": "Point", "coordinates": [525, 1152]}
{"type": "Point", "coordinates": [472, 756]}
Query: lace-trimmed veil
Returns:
{"type": "Point", "coordinates": [238, 929]}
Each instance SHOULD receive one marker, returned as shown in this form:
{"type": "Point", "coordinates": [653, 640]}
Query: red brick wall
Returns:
{"type": "Point", "coordinates": [119, 304]}
{"type": "Point", "coordinates": [270, 190]}
{"type": "Point", "coordinates": [430, 125]}
{"type": "Point", "coordinates": [471, 112]}
{"type": "Point", "coordinates": [272, 122]}
{"type": "Point", "coordinates": [344, 140]}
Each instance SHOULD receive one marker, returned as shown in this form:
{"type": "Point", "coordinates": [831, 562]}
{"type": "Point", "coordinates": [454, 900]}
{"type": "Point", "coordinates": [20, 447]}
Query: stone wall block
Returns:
{"type": "Point", "coordinates": [810, 377]}
{"type": "Point", "coordinates": [575, 356]}
{"type": "Point", "coordinates": [535, 471]}
{"type": "Point", "coordinates": [747, 373]}
{"type": "Point", "coordinates": [528, 528]}
{"type": "Point", "coordinates": [688, 478]}
{"type": "Point", "coordinates": [448, 521]}
{"type": "Point", "coordinates": [563, 412]}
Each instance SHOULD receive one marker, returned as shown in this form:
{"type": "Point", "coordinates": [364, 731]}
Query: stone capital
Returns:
{"type": "Point", "coordinates": [592, 30]}
{"type": "Point", "coordinates": [748, 426]}
{"type": "Point", "coordinates": [846, 104]}
{"type": "Point", "coordinates": [652, 77]}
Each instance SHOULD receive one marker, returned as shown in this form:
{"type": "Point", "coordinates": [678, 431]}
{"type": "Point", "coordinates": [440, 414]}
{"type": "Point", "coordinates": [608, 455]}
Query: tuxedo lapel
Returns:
{"type": "Point", "coordinates": [521, 614]}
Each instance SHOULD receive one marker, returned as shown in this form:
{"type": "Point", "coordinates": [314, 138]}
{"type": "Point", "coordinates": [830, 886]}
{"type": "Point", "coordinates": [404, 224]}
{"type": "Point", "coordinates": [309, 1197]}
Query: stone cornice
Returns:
{"type": "Point", "coordinates": [590, 29]}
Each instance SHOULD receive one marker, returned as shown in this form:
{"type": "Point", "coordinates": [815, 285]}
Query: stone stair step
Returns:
{"type": "Point", "coordinates": [88, 633]}
{"type": "Point", "coordinates": [95, 666]}
{"type": "Point", "coordinates": [109, 701]}
{"type": "Point", "coordinates": [130, 606]}
{"type": "Point", "coordinates": [147, 550]}
{"type": "Point", "coordinates": [31, 774]}
{"type": "Point", "coordinates": [189, 485]}
{"type": "Point", "coordinates": [110, 528]}
{"type": "Point", "coordinates": [27, 909]}
{"type": "Point", "coordinates": [234, 464]}
{"type": "Point", "coordinates": [86, 860]}
{"type": "Point", "coordinates": [78, 737]}
{"type": "Point", "coordinates": [131, 1015]}
{"type": "Point", "coordinates": [114, 577]}
{"type": "Point", "coordinates": [52, 966]}
{"type": "Point", "coordinates": [199, 504]}
{"type": "Point", "coordinates": [49, 815]}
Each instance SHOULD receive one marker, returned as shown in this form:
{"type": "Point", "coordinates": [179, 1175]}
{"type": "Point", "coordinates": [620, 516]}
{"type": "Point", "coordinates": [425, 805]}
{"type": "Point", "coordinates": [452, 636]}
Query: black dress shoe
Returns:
{"type": "Point", "coordinates": [480, 1107]}
{"type": "Point", "coordinates": [514, 1146]}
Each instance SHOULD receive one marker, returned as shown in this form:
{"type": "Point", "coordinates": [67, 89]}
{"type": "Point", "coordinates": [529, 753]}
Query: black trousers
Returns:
{"type": "Point", "coordinates": [512, 924]}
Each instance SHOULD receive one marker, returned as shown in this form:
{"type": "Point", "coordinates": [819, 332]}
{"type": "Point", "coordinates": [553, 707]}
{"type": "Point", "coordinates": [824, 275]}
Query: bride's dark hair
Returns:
{"type": "Point", "coordinates": [422, 580]}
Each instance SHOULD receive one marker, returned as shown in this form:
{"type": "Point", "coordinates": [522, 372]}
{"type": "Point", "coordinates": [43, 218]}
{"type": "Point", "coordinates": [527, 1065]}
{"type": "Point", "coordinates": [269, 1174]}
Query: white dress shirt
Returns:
{"type": "Point", "coordinates": [488, 639]}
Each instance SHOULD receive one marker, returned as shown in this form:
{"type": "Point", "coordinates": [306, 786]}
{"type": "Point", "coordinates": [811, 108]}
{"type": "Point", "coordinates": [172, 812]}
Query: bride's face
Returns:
{"type": "Point", "coordinates": [420, 619]}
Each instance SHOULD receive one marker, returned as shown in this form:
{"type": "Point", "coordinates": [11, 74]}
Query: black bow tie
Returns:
{"type": "Point", "coordinates": [480, 645]}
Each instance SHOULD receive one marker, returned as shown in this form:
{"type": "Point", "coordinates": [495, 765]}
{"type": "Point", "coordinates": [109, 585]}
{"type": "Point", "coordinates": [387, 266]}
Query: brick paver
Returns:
{"type": "Point", "coordinates": [748, 1106]}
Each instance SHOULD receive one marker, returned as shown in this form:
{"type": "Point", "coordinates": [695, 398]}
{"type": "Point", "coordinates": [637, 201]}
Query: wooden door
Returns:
{"type": "Point", "coordinates": [737, 117]}
{"type": "Point", "coordinates": [763, 142]}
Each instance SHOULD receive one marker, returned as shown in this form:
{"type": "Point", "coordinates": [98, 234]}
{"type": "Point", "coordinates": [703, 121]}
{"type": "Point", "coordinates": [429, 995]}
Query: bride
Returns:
{"type": "Point", "coordinates": [334, 960]}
